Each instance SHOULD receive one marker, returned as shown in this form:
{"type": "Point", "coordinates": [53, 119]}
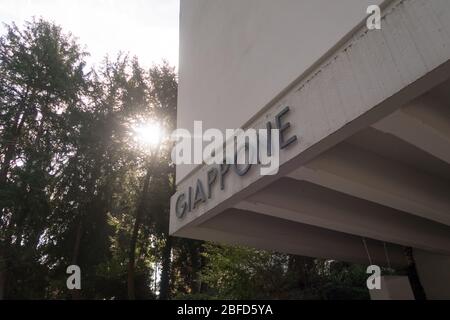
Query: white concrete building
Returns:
{"type": "Point", "coordinates": [369, 171]}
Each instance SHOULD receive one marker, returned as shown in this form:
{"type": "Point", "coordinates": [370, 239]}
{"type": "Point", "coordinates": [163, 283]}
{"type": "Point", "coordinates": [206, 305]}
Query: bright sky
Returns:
{"type": "Point", "coordinates": [145, 28]}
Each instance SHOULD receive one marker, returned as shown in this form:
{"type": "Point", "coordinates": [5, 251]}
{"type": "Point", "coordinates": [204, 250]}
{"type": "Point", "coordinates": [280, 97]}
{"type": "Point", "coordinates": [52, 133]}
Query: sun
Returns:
{"type": "Point", "coordinates": [148, 133]}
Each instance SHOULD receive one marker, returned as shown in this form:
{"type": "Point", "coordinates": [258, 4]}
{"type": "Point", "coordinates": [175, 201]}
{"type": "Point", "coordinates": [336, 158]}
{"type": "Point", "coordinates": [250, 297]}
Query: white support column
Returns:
{"type": "Point", "coordinates": [434, 274]}
{"type": "Point", "coordinates": [393, 288]}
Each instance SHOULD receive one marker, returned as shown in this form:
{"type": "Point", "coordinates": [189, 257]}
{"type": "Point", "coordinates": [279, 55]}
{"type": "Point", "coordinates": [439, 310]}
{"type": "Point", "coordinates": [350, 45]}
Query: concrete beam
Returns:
{"type": "Point", "coordinates": [366, 175]}
{"type": "Point", "coordinates": [260, 231]}
{"type": "Point", "coordinates": [425, 124]}
{"type": "Point", "coordinates": [304, 202]}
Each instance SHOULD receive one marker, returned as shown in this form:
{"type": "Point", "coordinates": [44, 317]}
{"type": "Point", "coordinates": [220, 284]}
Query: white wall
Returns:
{"type": "Point", "coordinates": [237, 55]}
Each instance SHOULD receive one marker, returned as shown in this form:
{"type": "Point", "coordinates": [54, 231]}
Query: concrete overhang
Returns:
{"type": "Point", "coordinates": [370, 170]}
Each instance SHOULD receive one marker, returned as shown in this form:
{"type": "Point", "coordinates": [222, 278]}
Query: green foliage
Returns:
{"type": "Point", "coordinates": [41, 81]}
{"type": "Point", "coordinates": [245, 273]}
{"type": "Point", "coordinates": [71, 173]}
{"type": "Point", "coordinates": [239, 273]}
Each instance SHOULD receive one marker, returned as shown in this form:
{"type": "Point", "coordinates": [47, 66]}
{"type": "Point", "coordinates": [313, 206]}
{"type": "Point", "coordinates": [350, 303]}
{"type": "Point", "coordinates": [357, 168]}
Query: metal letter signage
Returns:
{"type": "Point", "coordinates": [195, 195]}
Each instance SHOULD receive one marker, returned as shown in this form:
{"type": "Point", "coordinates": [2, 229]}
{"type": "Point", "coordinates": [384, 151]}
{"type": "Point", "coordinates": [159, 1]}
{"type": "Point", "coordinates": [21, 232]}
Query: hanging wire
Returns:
{"type": "Point", "coordinates": [387, 255]}
{"type": "Point", "coordinates": [367, 250]}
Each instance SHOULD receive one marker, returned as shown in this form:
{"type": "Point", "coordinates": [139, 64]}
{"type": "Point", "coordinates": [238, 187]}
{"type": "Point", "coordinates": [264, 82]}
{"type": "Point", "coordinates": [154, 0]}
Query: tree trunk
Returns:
{"type": "Point", "coordinates": [196, 264]}
{"type": "Point", "coordinates": [416, 285]}
{"type": "Point", "coordinates": [164, 287]}
{"type": "Point", "coordinates": [10, 151]}
{"type": "Point", "coordinates": [134, 236]}
{"type": "Point", "coordinates": [19, 120]}
{"type": "Point", "coordinates": [76, 294]}
{"type": "Point", "coordinates": [300, 267]}
{"type": "Point", "coordinates": [131, 260]}
{"type": "Point", "coordinates": [166, 273]}
{"type": "Point", "coordinates": [2, 274]}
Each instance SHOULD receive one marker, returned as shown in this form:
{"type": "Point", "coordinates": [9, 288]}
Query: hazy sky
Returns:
{"type": "Point", "coordinates": [145, 28]}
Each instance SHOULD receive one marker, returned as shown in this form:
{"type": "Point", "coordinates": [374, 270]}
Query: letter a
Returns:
{"type": "Point", "coordinates": [74, 280]}
{"type": "Point", "coordinates": [374, 280]}
{"type": "Point", "coordinates": [374, 20]}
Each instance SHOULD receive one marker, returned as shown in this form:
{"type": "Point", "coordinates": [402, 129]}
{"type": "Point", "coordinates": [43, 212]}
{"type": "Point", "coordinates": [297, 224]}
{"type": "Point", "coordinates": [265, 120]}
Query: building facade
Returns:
{"type": "Point", "coordinates": [366, 172]}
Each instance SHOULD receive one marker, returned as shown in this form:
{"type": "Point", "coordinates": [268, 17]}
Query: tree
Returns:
{"type": "Point", "coordinates": [162, 99]}
{"type": "Point", "coordinates": [41, 80]}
